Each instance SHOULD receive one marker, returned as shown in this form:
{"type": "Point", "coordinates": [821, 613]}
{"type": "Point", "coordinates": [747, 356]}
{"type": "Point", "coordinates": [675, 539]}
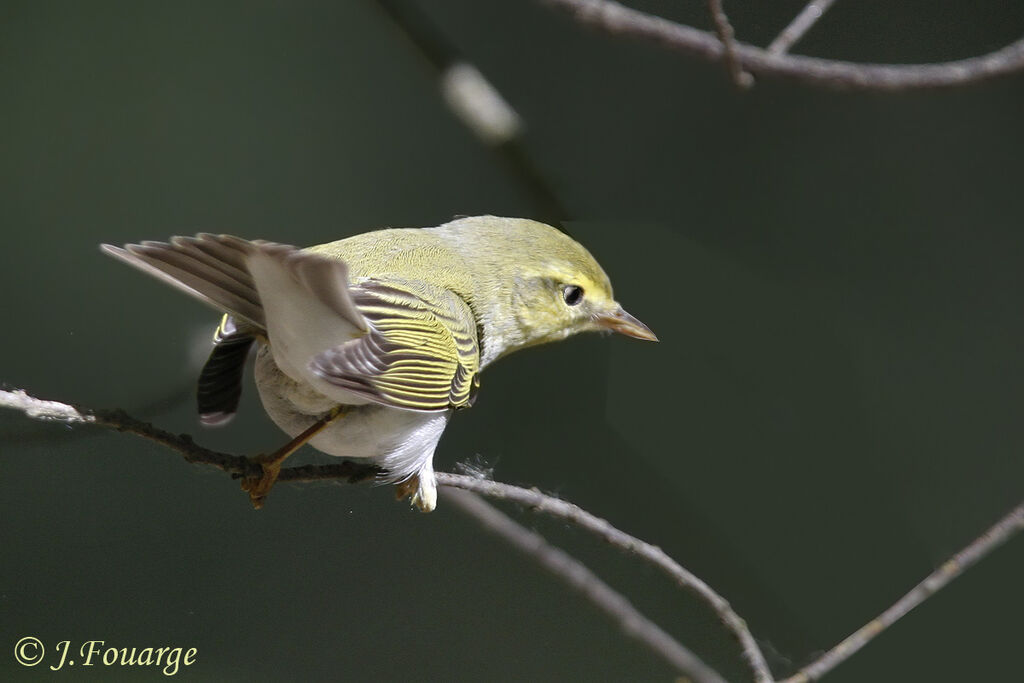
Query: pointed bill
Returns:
{"type": "Point", "coordinates": [623, 323]}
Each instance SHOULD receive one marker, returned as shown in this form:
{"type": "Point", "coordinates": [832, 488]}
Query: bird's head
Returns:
{"type": "Point", "coordinates": [536, 284]}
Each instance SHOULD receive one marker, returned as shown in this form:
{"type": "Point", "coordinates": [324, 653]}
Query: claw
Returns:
{"type": "Point", "coordinates": [421, 491]}
{"type": "Point", "coordinates": [259, 487]}
{"type": "Point", "coordinates": [404, 489]}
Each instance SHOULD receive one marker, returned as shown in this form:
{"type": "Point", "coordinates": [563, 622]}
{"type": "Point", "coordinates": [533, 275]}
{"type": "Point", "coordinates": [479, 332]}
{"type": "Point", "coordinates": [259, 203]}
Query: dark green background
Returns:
{"type": "Point", "coordinates": [834, 407]}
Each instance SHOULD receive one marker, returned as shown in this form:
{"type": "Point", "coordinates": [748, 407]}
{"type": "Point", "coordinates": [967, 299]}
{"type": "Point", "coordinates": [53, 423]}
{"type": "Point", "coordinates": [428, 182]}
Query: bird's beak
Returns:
{"type": "Point", "coordinates": [623, 323]}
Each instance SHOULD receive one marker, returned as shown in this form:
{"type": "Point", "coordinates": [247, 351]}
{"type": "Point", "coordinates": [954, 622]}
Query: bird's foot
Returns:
{"type": "Point", "coordinates": [420, 489]}
{"type": "Point", "coordinates": [259, 487]}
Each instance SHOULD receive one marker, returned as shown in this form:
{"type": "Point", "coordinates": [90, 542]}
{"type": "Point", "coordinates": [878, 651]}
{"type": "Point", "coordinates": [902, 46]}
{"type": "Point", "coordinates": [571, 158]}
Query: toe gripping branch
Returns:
{"type": "Point", "coordinates": [258, 487]}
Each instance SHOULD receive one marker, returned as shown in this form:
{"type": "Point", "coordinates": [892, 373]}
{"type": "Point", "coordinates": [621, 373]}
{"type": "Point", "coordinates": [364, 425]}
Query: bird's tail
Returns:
{"type": "Point", "coordinates": [211, 268]}
{"type": "Point", "coordinates": [220, 382]}
{"type": "Point", "coordinates": [297, 299]}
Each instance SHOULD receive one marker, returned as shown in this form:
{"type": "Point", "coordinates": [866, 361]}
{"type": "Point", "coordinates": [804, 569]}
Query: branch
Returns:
{"type": "Point", "coordinates": [799, 27]}
{"type": "Point", "coordinates": [239, 466]}
{"type": "Point", "coordinates": [723, 29]}
{"type": "Point", "coordinates": [561, 509]}
{"type": "Point", "coordinates": [477, 104]}
{"type": "Point", "coordinates": [998, 534]}
{"type": "Point", "coordinates": [632, 622]}
{"type": "Point", "coordinates": [536, 501]}
{"type": "Point", "coordinates": [235, 465]}
{"type": "Point", "coordinates": [616, 19]}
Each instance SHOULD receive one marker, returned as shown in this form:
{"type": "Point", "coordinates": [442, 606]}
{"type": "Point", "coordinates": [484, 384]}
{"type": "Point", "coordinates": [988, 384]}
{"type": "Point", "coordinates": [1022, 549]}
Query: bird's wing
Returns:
{"type": "Point", "coordinates": [245, 278]}
{"type": "Point", "coordinates": [421, 352]}
{"type": "Point", "coordinates": [211, 268]}
{"type": "Point", "coordinates": [307, 303]}
{"type": "Point", "coordinates": [298, 299]}
{"type": "Point", "coordinates": [402, 344]}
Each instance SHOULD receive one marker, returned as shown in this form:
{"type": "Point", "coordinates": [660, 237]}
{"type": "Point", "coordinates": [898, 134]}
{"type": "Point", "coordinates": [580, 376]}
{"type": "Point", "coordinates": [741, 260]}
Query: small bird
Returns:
{"type": "Point", "coordinates": [366, 345]}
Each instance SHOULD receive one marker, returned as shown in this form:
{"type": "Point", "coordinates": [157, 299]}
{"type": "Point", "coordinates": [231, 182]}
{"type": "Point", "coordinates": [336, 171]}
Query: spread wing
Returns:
{"type": "Point", "coordinates": [421, 351]}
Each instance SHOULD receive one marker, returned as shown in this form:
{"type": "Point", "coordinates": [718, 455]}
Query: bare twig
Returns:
{"type": "Point", "coordinates": [235, 465]}
{"type": "Point", "coordinates": [557, 561]}
{"type": "Point", "coordinates": [723, 29]}
{"type": "Point", "coordinates": [555, 507]}
{"type": "Point", "coordinates": [39, 409]}
{"type": "Point", "coordinates": [998, 534]}
{"type": "Point", "coordinates": [477, 103]}
{"type": "Point", "coordinates": [799, 27]}
{"type": "Point", "coordinates": [633, 623]}
{"type": "Point", "coordinates": [616, 19]}
{"type": "Point", "coordinates": [536, 501]}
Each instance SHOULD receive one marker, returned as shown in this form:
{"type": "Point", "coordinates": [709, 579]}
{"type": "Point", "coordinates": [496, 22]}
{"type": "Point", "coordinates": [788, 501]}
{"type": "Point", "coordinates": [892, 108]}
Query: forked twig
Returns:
{"type": "Point", "coordinates": [723, 29]}
{"type": "Point", "coordinates": [618, 20]}
{"type": "Point", "coordinates": [799, 27]}
{"type": "Point", "coordinates": [477, 103]}
{"type": "Point", "coordinates": [653, 555]}
{"type": "Point", "coordinates": [633, 623]}
{"type": "Point", "coordinates": [536, 501]}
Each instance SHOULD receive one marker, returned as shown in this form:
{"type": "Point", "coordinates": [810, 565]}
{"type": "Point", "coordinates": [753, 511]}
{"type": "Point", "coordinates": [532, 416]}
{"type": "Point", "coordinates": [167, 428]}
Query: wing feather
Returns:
{"type": "Point", "coordinates": [210, 268]}
{"type": "Point", "coordinates": [420, 353]}
{"type": "Point", "coordinates": [403, 344]}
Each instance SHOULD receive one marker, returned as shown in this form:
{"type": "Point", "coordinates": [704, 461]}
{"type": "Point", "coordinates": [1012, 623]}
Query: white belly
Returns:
{"type": "Point", "coordinates": [400, 441]}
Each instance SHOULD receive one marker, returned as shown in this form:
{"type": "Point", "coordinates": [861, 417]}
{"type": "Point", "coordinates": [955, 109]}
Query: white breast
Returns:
{"type": "Point", "coordinates": [400, 441]}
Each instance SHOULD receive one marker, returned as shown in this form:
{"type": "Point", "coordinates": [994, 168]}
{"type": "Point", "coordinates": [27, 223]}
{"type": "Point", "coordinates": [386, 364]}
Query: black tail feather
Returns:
{"type": "Point", "coordinates": [220, 382]}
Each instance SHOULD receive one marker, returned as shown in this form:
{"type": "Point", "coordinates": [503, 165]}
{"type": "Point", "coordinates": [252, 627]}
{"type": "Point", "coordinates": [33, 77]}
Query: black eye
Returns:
{"type": "Point", "coordinates": [572, 294]}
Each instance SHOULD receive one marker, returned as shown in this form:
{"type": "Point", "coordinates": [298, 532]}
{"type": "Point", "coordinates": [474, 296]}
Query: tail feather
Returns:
{"type": "Point", "coordinates": [220, 382]}
{"type": "Point", "coordinates": [304, 295]}
{"type": "Point", "coordinates": [214, 272]}
{"type": "Point", "coordinates": [211, 268]}
{"type": "Point", "coordinates": [218, 252]}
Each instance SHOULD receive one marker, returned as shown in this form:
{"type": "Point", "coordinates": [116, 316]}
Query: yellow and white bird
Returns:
{"type": "Point", "coordinates": [367, 344]}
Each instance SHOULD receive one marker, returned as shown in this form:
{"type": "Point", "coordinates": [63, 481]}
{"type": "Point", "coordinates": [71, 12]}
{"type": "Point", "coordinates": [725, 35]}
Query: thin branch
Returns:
{"type": "Point", "coordinates": [235, 465]}
{"type": "Point", "coordinates": [799, 27]}
{"type": "Point", "coordinates": [723, 29]}
{"type": "Point", "coordinates": [477, 103]}
{"type": "Point", "coordinates": [616, 19]}
{"type": "Point", "coordinates": [536, 501]}
{"type": "Point", "coordinates": [40, 409]}
{"type": "Point", "coordinates": [998, 534]}
{"type": "Point", "coordinates": [533, 499]}
{"type": "Point", "coordinates": [573, 572]}
{"type": "Point", "coordinates": [555, 560]}
{"type": "Point", "coordinates": [561, 509]}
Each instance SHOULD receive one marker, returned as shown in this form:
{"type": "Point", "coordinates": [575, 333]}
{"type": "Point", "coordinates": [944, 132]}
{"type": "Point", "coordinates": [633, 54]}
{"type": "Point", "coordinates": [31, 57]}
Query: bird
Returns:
{"type": "Point", "coordinates": [368, 344]}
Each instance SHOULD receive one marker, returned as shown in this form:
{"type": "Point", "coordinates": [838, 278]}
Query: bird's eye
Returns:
{"type": "Point", "coordinates": [572, 294]}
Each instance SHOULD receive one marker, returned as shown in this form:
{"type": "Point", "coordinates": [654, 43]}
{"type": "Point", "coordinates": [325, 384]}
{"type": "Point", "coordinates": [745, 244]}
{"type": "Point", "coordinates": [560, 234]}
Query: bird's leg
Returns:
{"type": "Point", "coordinates": [259, 487]}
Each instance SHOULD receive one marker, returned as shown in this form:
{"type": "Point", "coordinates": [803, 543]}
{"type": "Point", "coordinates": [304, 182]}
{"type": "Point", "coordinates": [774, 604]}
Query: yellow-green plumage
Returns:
{"type": "Point", "coordinates": [396, 324]}
{"type": "Point", "coordinates": [431, 337]}
{"type": "Point", "coordinates": [477, 258]}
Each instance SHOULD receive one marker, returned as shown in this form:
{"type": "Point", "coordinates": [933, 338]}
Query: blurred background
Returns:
{"type": "Point", "coordinates": [833, 409]}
